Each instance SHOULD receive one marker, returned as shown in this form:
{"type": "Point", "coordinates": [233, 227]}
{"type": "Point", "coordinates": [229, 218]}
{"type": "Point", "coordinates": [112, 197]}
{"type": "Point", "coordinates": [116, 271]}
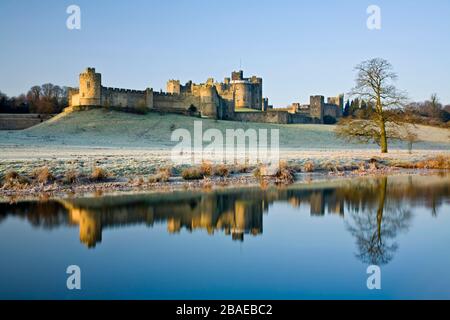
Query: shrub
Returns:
{"type": "Point", "coordinates": [221, 170]}
{"type": "Point", "coordinates": [329, 120]}
{"type": "Point", "coordinates": [43, 175]}
{"type": "Point", "coordinates": [141, 109]}
{"type": "Point", "coordinates": [192, 174]}
{"type": "Point", "coordinates": [165, 172]}
{"type": "Point", "coordinates": [13, 180]}
{"type": "Point", "coordinates": [438, 162]}
{"type": "Point", "coordinates": [98, 174]}
{"type": "Point", "coordinates": [308, 167]}
{"type": "Point", "coordinates": [284, 174]}
{"type": "Point", "coordinates": [206, 169]}
{"type": "Point", "coordinates": [70, 177]}
{"type": "Point", "coordinates": [11, 175]}
{"type": "Point", "coordinates": [162, 175]}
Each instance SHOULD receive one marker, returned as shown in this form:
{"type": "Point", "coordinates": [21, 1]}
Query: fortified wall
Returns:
{"type": "Point", "coordinates": [236, 98]}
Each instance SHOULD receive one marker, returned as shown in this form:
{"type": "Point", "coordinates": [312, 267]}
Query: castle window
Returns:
{"type": "Point", "coordinates": [88, 84]}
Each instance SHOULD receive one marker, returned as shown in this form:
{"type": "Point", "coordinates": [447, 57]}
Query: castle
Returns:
{"type": "Point", "coordinates": [236, 98]}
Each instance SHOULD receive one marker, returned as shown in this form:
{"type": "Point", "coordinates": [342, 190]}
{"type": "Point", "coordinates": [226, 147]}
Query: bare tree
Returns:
{"type": "Point", "coordinates": [374, 84]}
{"type": "Point", "coordinates": [411, 137]}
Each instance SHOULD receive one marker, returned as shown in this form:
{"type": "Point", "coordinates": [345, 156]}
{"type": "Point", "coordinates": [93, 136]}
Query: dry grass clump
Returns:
{"type": "Point", "coordinates": [11, 175]}
{"type": "Point", "coordinates": [221, 170]}
{"type": "Point", "coordinates": [438, 162]}
{"type": "Point", "coordinates": [43, 175]}
{"type": "Point", "coordinates": [284, 174]}
{"type": "Point", "coordinates": [308, 167]}
{"type": "Point", "coordinates": [162, 175]}
{"type": "Point", "coordinates": [71, 176]}
{"type": "Point", "coordinates": [192, 174]}
{"type": "Point", "coordinates": [99, 174]}
{"type": "Point", "coordinates": [13, 180]}
{"type": "Point", "coordinates": [206, 168]}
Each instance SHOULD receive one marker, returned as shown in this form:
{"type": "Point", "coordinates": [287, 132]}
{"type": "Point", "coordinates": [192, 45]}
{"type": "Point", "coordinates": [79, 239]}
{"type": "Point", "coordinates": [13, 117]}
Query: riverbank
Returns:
{"type": "Point", "coordinates": [59, 156]}
{"type": "Point", "coordinates": [20, 187]}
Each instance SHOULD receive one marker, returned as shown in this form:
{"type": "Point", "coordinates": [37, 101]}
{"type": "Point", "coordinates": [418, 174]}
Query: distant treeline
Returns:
{"type": "Point", "coordinates": [47, 98]}
{"type": "Point", "coordinates": [429, 112]}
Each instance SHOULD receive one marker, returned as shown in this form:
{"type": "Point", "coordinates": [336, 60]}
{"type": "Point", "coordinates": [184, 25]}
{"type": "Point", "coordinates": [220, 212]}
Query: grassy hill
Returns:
{"type": "Point", "coordinates": [102, 128]}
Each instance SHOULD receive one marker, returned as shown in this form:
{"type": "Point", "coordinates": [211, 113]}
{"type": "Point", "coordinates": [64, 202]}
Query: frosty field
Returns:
{"type": "Point", "coordinates": [129, 145]}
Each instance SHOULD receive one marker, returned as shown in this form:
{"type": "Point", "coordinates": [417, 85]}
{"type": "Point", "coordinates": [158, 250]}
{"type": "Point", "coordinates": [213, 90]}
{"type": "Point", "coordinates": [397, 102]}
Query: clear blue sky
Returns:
{"type": "Point", "coordinates": [298, 47]}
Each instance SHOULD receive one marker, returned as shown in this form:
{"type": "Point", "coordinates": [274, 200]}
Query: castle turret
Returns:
{"type": "Point", "coordinates": [257, 98]}
{"type": "Point", "coordinates": [237, 75]}
{"type": "Point", "coordinates": [173, 86]}
{"type": "Point", "coordinates": [316, 105]}
{"type": "Point", "coordinates": [90, 88]}
{"type": "Point", "coordinates": [209, 101]}
{"type": "Point", "coordinates": [242, 94]}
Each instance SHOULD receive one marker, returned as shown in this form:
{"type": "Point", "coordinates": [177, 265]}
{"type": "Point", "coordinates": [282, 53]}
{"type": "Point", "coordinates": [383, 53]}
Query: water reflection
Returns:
{"type": "Point", "coordinates": [376, 228]}
{"type": "Point", "coordinates": [375, 210]}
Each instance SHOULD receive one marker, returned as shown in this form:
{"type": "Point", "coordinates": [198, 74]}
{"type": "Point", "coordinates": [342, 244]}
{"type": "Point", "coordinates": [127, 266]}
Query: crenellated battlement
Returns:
{"type": "Point", "coordinates": [211, 98]}
{"type": "Point", "coordinates": [121, 90]}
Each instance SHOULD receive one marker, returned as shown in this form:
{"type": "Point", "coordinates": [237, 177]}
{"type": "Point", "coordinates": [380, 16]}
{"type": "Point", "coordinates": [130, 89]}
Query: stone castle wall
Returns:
{"type": "Point", "coordinates": [122, 98]}
{"type": "Point", "coordinates": [217, 100]}
{"type": "Point", "coordinates": [272, 116]}
{"type": "Point", "coordinates": [332, 111]}
{"type": "Point", "coordinates": [179, 103]}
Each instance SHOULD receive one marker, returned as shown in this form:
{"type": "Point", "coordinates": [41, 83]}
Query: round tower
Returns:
{"type": "Point", "coordinates": [90, 88]}
{"type": "Point", "coordinates": [242, 94]}
{"type": "Point", "coordinates": [208, 99]}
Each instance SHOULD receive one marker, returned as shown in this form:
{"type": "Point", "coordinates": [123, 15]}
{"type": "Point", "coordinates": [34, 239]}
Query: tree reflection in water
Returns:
{"type": "Point", "coordinates": [375, 210]}
{"type": "Point", "coordinates": [375, 230]}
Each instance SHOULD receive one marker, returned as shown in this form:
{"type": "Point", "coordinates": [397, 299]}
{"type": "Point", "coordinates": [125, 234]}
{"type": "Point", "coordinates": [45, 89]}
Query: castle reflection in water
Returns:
{"type": "Point", "coordinates": [236, 213]}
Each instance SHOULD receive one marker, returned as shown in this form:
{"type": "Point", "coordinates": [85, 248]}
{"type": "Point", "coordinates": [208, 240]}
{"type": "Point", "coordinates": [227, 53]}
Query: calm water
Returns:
{"type": "Point", "coordinates": [313, 241]}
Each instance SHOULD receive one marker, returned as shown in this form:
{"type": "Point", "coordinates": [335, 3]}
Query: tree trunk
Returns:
{"type": "Point", "coordinates": [381, 201]}
{"type": "Point", "coordinates": [383, 138]}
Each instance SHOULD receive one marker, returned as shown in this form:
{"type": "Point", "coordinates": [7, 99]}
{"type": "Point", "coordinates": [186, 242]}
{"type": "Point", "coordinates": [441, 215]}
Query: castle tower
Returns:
{"type": "Point", "coordinates": [242, 94]}
{"type": "Point", "coordinates": [90, 88]}
{"type": "Point", "coordinates": [209, 101]}
{"type": "Point", "coordinates": [257, 98]}
{"type": "Point", "coordinates": [316, 106]}
{"type": "Point", "coordinates": [338, 100]}
{"type": "Point", "coordinates": [173, 86]}
{"type": "Point", "coordinates": [237, 75]}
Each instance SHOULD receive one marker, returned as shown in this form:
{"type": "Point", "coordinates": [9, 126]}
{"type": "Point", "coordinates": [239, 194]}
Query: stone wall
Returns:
{"type": "Point", "coordinates": [21, 121]}
{"type": "Point", "coordinates": [123, 98]}
{"type": "Point", "coordinates": [176, 103]}
{"type": "Point", "coordinates": [301, 118]}
{"type": "Point", "coordinates": [271, 116]}
{"type": "Point", "coordinates": [332, 110]}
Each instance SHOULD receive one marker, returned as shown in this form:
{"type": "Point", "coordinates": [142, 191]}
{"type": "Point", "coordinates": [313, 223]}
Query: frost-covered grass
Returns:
{"type": "Point", "coordinates": [129, 145]}
{"type": "Point", "coordinates": [102, 128]}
